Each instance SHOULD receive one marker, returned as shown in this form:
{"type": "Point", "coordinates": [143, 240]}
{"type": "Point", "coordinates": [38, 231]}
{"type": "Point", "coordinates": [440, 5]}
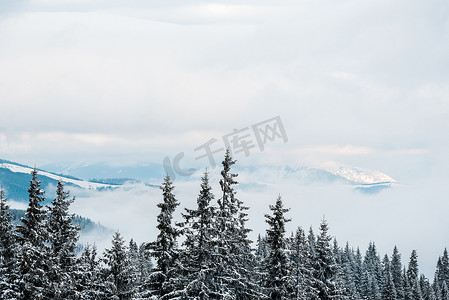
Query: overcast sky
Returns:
{"type": "Point", "coordinates": [363, 83]}
{"type": "Point", "coordinates": [139, 80]}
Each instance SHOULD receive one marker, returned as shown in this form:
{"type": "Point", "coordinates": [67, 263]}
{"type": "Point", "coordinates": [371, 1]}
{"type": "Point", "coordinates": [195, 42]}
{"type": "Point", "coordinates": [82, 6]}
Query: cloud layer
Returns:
{"type": "Point", "coordinates": [364, 83]}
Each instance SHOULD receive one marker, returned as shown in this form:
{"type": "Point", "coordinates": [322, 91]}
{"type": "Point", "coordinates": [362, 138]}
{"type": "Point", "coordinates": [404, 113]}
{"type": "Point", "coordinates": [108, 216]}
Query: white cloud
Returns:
{"type": "Point", "coordinates": [359, 82]}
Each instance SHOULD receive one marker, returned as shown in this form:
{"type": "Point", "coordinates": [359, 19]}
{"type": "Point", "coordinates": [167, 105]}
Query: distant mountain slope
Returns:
{"type": "Point", "coordinates": [152, 172]}
{"type": "Point", "coordinates": [18, 168]}
{"type": "Point", "coordinates": [147, 172]}
{"type": "Point", "coordinates": [15, 177]}
{"type": "Point", "coordinates": [15, 180]}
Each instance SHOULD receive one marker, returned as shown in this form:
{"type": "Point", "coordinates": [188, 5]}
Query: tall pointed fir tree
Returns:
{"type": "Point", "coordinates": [311, 240]}
{"type": "Point", "coordinates": [412, 271]}
{"type": "Point", "coordinates": [278, 281]}
{"type": "Point", "coordinates": [443, 291]}
{"type": "Point", "coordinates": [358, 271]}
{"type": "Point", "coordinates": [118, 271]}
{"type": "Point", "coordinates": [198, 257]}
{"type": "Point", "coordinates": [325, 268]}
{"type": "Point", "coordinates": [144, 268]}
{"type": "Point", "coordinates": [300, 258]}
{"type": "Point", "coordinates": [426, 289]}
{"type": "Point", "coordinates": [62, 243]}
{"type": "Point", "coordinates": [235, 261]}
{"type": "Point", "coordinates": [406, 286]}
{"type": "Point", "coordinates": [163, 280]}
{"type": "Point", "coordinates": [9, 288]}
{"type": "Point", "coordinates": [260, 254]}
{"type": "Point", "coordinates": [33, 253]}
{"type": "Point", "coordinates": [442, 272]}
{"type": "Point", "coordinates": [261, 248]}
{"type": "Point", "coordinates": [133, 258]}
{"type": "Point", "coordinates": [444, 275]}
{"type": "Point", "coordinates": [90, 284]}
{"type": "Point", "coordinates": [349, 271]}
{"type": "Point", "coordinates": [413, 275]}
{"type": "Point", "coordinates": [388, 288]}
{"type": "Point", "coordinates": [396, 272]}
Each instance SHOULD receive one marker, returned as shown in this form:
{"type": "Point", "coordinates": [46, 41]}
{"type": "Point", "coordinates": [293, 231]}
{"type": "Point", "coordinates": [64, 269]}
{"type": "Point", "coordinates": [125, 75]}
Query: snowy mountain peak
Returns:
{"type": "Point", "coordinates": [360, 175]}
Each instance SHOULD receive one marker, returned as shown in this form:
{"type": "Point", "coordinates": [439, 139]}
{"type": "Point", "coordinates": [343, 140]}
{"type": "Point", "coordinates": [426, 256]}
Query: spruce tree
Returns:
{"type": "Point", "coordinates": [325, 269]}
{"type": "Point", "coordinates": [407, 287]}
{"type": "Point", "coordinates": [277, 264]}
{"type": "Point", "coordinates": [388, 288]}
{"type": "Point", "coordinates": [372, 263]}
{"type": "Point", "coordinates": [9, 288]}
{"type": "Point", "coordinates": [89, 281]}
{"type": "Point", "coordinates": [33, 256]}
{"type": "Point", "coordinates": [358, 271]}
{"type": "Point", "coordinates": [444, 291]}
{"type": "Point", "coordinates": [164, 278]}
{"type": "Point", "coordinates": [442, 270]}
{"type": "Point", "coordinates": [199, 256]}
{"type": "Point", "coordinates": [426, 289]}
{"type": "Point", "coordinates": [62, 243]}
{"type": "Point", "coordinates": [349, 273]}
{"type": "Point", "coordinates": [413, 275]}
{"type": "Point", "coordinates": [133, 258]}
{"type": "Point", "coordinates": [396, 272]}
{"type": "Point", "coordinates": [311, 240]}
{"type": "Point", "coordinates": [261, 248]}
{"type": "Point", "coordinates": [300, 257]}
{"type": "Point", "coordinates": [412, 271]}
{"type": "Point", "coordinates": [118, 271]}
{"type": "Point", "coordinates": [235, 262]}
{"type": "Point", "coordinates": [144, 268]}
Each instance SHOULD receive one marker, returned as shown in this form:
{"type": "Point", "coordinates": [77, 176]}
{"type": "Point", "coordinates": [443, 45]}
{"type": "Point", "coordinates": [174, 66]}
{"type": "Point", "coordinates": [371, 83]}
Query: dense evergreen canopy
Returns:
{"type": "Point", "coordinates": [216, 259]}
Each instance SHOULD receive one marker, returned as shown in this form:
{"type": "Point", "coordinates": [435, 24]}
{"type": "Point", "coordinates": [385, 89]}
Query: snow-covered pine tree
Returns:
{"type": "Point", "coordinates": [164, 279]}
{"type": "Point", "coordinates": [416, 290]}
{"type": "Point", "coordinates": [136, 268]}
{"type": "Point", "coordinates": [372, 264]}
{"type": "Point", "coordinates": [260, 254]}
{"type": "Point", "coordinates": [396, 272]}
{"type": "Point", "coordinates": [90, 284]}
{"type": "Point", "coordinates": [444, 291]}
{"type": "Point", "coordinates": [118, 271]}
{"type": "Point", "coordinates": [33, 252]}
{"type": "Point", "coordinates": [349, 273]}
{"type": "Point", "coordinates": [358, 271]}
{"type": "Point", "coordinates": [372, 274]}
{"type": "Point", "coordinates": [413, 275]}
{"type": "Point", "coordinates": [412, 271]}
{"type": "Point", "coordinates": [325, 269]}
{"type": "Point", "coordinates": [145, 266]}
{"type": "Point", "coordinates": [278, 283]}
{"type": "Point", "coordinates": [9, 288]}
{"type": "Point", "coordinates": [235, 261]}
{"type": "Point", "coordinates": [406, 286]}
{"type": "Point", "coordinates": [300, 258]}
{"type": "Point", "coordinates": [311, 240]}
{"type": "Point", "coordinates": [442, 270]}
{"type": "Point", "coordinates": [426, 289]}
{"type": "Point", "coordinates": [62, 243]}
{"type": "Point", "coordinates": [198, 258]}
{"type": "Point", "coordinates": [261, 248]}
{"type": "Point", "coordinates": [388, 288]}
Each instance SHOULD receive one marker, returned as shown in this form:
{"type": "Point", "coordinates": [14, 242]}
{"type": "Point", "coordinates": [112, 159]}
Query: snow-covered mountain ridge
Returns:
{"type": "Point", "coordinates": [17, 168]}
{"type": "Point", "coordinates": [14, 177]}
{"type": "Point", "coordinates": [361, 175]}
